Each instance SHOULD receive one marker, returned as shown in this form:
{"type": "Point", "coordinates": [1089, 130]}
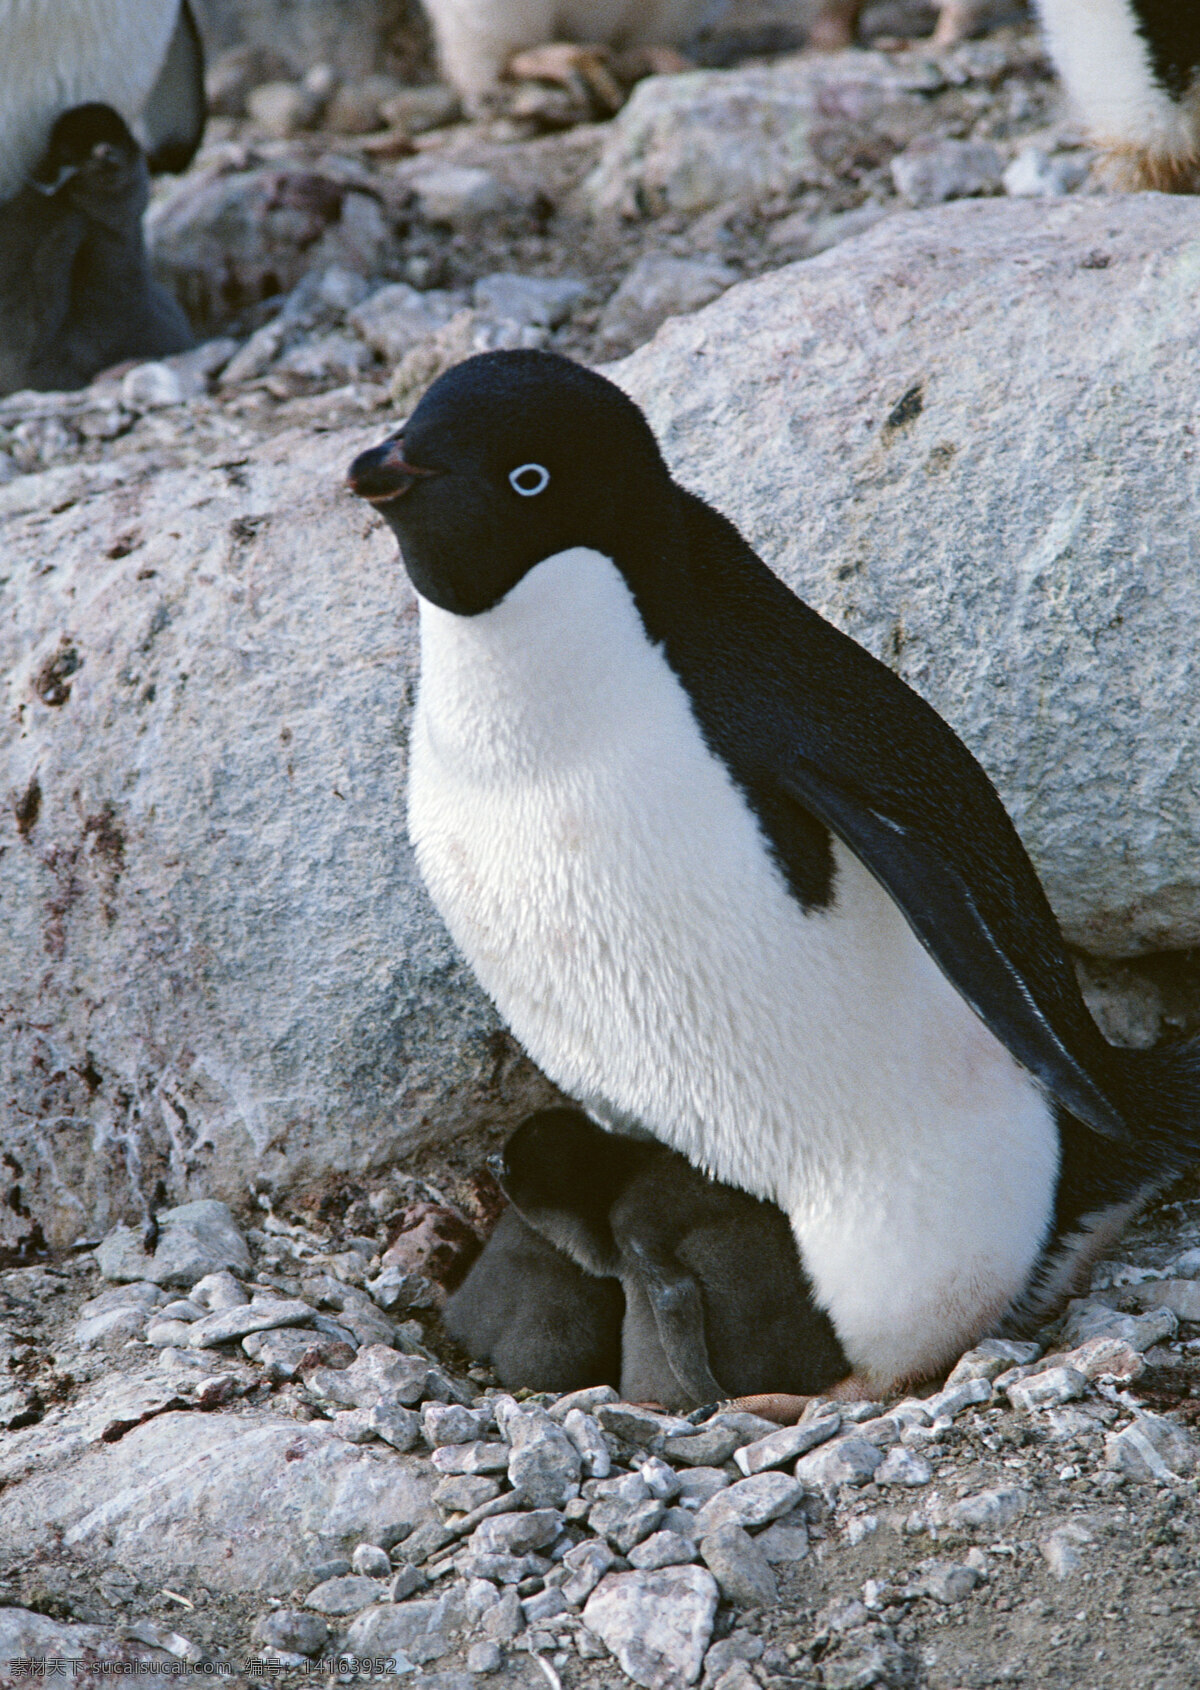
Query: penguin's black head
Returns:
{"type": "Point", "coordinates": [93, 161]}
{"type": "Point", "coordinates": [508, 459]}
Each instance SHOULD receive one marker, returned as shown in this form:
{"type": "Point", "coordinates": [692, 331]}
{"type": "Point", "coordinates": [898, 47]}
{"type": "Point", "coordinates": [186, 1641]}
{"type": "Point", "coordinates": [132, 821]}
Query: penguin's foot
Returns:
{"type": "Point", "coordinates": [835, 26]}
{"type": "Point", "coordinates": [786, 1409]}
{"type": "Point", "coordinates": [582, 70]}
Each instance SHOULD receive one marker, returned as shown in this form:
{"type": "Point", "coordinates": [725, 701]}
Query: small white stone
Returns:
{"type": "Point", "coordinates": [1048, 1389]}
{"type": "Point", "coordinates": [902, 1466]}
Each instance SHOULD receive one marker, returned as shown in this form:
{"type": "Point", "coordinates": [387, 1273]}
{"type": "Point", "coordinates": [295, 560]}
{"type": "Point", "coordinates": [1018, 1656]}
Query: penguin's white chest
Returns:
{"type": "Point", "coordinates": [615, 896]}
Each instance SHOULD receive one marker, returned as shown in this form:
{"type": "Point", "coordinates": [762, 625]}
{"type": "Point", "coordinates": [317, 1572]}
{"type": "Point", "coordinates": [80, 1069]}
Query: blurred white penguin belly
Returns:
{"type": "Point", "coordinates": [616, 897]}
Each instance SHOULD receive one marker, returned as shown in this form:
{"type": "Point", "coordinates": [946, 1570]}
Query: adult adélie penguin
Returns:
{"type": "Point", "coordinates": [729, 880]}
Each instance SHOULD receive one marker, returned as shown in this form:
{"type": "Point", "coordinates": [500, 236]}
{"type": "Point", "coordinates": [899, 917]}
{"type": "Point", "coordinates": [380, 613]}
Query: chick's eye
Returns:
{"type": "Point", "coordinates": [529, 480]}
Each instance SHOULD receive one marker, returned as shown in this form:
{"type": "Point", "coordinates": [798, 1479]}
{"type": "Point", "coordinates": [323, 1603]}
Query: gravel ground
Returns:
{"type": "Point", "coordinates": [1010, 1533]}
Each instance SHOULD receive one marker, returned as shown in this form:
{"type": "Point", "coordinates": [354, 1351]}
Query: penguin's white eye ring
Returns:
{"type": "Point", "coordinates": [529, 480]}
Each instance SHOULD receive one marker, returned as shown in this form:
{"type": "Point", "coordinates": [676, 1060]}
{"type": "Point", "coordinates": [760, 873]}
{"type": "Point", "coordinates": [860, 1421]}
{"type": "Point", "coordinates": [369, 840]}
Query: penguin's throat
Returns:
{"type": "Point", "coordinates": [493, 686]}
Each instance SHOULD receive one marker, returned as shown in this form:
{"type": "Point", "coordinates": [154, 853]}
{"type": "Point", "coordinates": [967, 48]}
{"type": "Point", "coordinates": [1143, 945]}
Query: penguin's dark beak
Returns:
{"type": "Point", "coordinates": [382, 475]}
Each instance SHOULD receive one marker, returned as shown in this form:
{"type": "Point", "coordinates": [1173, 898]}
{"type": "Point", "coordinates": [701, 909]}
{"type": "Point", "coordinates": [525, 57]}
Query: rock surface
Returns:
{"type": "Point", "coordinates": [995, 502]}
{"type": "Point", "coordinates": [219, 846]}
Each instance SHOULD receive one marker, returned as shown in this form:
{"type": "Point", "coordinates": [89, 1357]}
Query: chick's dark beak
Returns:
{"type": "Point", "coordinates": [382, 475]}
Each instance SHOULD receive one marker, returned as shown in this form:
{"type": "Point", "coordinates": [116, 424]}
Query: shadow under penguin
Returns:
{"type": "Point", "coordinates": [619, 1263]}
{"type": "Point", "coordinates": [76, 291]}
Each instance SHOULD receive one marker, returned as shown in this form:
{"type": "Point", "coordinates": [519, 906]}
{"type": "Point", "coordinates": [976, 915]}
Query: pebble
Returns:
{"type": "Point", "coordinates": [450, 1423]}
{"type": "Point", "coordinates": [462, 1493]}
{"type": "Point", "coordinates": [194, 1239]}
{"type": "Point", "coordinates": [458, 194]}
{"type": "Point", "coordinates": [698, 1484]}
{"type": "Point", "coordinates": [587, 1401]}
{"type": "Point", "coordinates": [346, 1594]}
{"type": "Point", "coordinates": [660, 1480]}
{"type": "Point", "coordinates": [544, 1463]}
{"type": "Point", "coordinates": [1048, 1389]}
{"type": "Point", "coordinates": [663, 1549]}
{"type": "Point", "coordinates": [990, 1510]}
{"type": "Point", "coordinates": [740, 1568]}
{"type": "Point", "coordinates": [640, 1426]}
{"type": "Point", "coordinates": [479, 1457]}
{"type": "Point", "coordinates": [1090, 1319]}
{"type": "Point", "coordinates": [784, 1540]}
{"type": "Point", "coordinates": [160, 1333]}
{"type": "Point", "coordinates": [1061, 1549]}
{"type": "Point", "coordinates": [623, 1523]}
{"type": "Point", "coordinates": [279, 1351]}
{"type": "Point", "coordinates": [282, 109]}
{"type": "Point", "coordinates": [293, 1631]}
{"type": "Point", "coordinates": [933, 170]}
{"type": "Point", "coordinates": [658, 1624]}
{"type": "Point", "coordinates": [516, 1534]}
{"type": "Point", "coordinates": [217, 1290]}
{"type": "Point", "coordinates": [849, 1461]}
{"type": "Point", "coordinates": [504, 1620]}
{"type": "Point", "coordinates": [499, 1569]}
{"type": "Point", "coordinates": [371, 1561]}
{"type": "Point", "coordinates": [901, 1466]}
{"type": "Point", "coordinates": [778, 1448]}
{"type": "Point", "coordinates": [952, 1401]}
{"type": "Point", "coordinates": [258, 1315]}
{"type": "Point", "coordinates": [1181, 1296]}
{"type": "Point", "coordinates": [1035, 174]}
{"type": "Point", "coordinates": [406, 1582]}
{"type": "Point", "coordinates": [707, 1448]}
{"type": "Point", "coordinates": [543, 1606]}
{"type": "Point", "coordinates": [544, 301]}
{"type": "Point", "coordinates": [1106, 1358]}
{"type": "Point", "coordinates": [949, 1584]}
{"type": "Point", "coordinates": [485, 1656]}
{"type": "Point", "coordinates": [584, 1432]}
{"type": "Point", "coordinates": [416, 110]}
{"type": "Point", "coordinates": [587, 1562]}
{"type": "Point", "coordinates": [1150, 1449]}
{"type": "Point", "coordinates": [750, 1502]}
{"type": "Point", "coordinates": [991, 1358]}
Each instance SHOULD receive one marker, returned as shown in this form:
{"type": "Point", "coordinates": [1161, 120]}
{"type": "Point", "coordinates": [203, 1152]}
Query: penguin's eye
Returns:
{"type": "Point", "coordinates": [529, 480]}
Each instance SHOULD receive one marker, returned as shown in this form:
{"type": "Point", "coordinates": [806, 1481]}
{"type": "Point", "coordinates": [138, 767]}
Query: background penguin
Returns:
{"type": "Point", "coordinates": [142, 57]}
{"type": "Point", "coordinates": [836, 22]}
{"type": "Point", "coordinates": [539, 1319]}
{"type": "Point", "coordinates": [729, 879]}
{"type": "Point", "coordinates": [716, 1302]}
{"type": "Point", "coordinates": [1132, 68]}
{"type": "Point", "coordinates": [477, 38]}
{"type": "Point", "coordinates": [76, 292]}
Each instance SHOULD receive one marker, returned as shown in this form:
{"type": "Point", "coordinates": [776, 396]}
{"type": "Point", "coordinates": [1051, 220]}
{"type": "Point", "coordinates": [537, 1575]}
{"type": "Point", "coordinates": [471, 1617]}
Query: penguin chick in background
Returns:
{"type": "Point", "coordinates": [538, 1319]}
{"type": "Point", "coordinates": [716, 1302]}
{"type": "Point", "coordinates": [477, 38]}
{"type": "Point", "coordinates": [76, 292]}
{"type": "Point", "coordinates": [1132, 71]}
{"type": "Point", "coordinates": [142, 57]}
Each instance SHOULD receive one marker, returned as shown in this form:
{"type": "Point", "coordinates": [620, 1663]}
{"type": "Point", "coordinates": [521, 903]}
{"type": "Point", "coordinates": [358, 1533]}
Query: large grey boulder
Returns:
{"type": "Point", "coordinates": [968, 438]}
{"type": "Point", "coordinates": [217, 962]}
{"type": "Point", "coordinates": [246, 1502]}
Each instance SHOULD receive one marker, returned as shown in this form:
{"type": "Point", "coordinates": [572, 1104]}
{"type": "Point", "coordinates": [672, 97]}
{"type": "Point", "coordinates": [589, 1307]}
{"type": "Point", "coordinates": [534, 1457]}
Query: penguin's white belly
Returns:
{"type": "Point", "coordinates": [615, 895]}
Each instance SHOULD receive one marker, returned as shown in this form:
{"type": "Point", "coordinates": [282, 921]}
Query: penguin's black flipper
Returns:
{"type": "Point", "coordinates": [175, 110]}
{"type": "Point", "coordinates": [823, 738]}
{"type": "Point", "coordinates": [938, 905]}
